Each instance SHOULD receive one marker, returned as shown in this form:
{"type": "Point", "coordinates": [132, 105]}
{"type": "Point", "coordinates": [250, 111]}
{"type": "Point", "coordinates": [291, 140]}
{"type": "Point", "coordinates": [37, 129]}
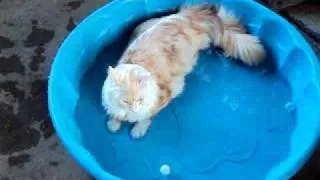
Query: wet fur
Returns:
{"type": "Point", "coordinates": [162, 52]}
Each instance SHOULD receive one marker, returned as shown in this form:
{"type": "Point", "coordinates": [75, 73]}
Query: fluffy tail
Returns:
{"type": "Point", "coordinates": [225, 31]}
{"type": "Point", "coordinates": [237, 43]}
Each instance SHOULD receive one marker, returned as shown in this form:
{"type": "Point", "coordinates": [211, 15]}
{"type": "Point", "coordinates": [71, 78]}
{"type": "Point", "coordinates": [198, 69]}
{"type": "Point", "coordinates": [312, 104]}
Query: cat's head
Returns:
{"type": "Point", "coordinates": [132, 89]}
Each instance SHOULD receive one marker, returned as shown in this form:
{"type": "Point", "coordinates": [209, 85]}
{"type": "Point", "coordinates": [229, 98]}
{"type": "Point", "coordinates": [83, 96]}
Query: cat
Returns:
{"type": "Point", "coordinates": [151, 72]}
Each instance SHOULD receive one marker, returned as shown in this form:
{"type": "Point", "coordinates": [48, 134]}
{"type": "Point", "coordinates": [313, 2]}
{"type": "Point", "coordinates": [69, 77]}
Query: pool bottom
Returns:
{"type": "Point", "coordinates": [230, 123]}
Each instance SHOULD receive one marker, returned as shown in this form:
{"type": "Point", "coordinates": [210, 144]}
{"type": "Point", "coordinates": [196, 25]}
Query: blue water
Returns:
{"type": "Point", "coordinates": [230, 122]}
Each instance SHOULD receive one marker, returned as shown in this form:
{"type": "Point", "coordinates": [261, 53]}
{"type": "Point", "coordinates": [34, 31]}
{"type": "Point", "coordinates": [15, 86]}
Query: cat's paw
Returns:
{"type": "Point", "coordinates": [113, 125]}
{"type": "Point", "coordinates": [140, 129]}
{"type": "Point", "coordinates": [138, 132]}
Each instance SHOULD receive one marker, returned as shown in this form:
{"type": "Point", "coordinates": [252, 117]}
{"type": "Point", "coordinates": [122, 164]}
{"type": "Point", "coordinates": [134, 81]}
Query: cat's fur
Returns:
{"type": "Point", "coordinates": [152, 70]}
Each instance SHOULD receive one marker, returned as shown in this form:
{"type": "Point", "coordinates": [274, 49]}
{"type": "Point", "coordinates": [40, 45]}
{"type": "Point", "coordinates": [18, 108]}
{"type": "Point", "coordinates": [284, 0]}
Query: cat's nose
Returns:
{"type": "Point", "coordinates": [134, 108]}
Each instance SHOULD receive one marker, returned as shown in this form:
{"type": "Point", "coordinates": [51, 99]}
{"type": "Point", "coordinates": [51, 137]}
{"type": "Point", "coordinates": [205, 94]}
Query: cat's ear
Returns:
{"type": "Point", "coordinates": [111, 72]}
{"type": "Point", "coordinates": [144, 80]}
{"type": "Point", "coordinates": [114, 74]}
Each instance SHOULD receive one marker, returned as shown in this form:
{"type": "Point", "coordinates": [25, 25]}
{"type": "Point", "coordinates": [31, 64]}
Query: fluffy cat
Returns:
{"type": "Point", "coordinates": [152, 70]}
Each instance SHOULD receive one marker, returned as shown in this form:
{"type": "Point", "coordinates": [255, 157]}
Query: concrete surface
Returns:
{"type": "Point", "coordinates": [282, 4]}
{"type": "Point", "coordinates": [307, 17]}
{"type": "Point", "coordinates": [30, 34]}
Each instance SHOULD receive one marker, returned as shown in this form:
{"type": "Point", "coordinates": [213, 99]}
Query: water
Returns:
{"type": "Point", "coordinates": [230, 123]}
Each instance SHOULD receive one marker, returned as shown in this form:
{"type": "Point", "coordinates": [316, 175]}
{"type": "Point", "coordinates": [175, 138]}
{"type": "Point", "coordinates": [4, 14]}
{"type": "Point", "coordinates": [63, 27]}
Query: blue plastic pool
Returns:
{"type": "Point", "coordinates": [232, 121]}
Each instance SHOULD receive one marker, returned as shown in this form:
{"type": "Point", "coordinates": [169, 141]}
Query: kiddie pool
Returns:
{"type": "Point", "coordinates": [231, 122]}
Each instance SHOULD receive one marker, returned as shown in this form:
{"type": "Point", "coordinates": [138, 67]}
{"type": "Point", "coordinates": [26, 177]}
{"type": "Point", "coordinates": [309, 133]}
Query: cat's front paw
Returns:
{"type": "Point", "coordinates": [114, 125]}
{"type": "Point", "coordinates": [138, 132]}
{"type": "Point", "coordinates": [140, 129]}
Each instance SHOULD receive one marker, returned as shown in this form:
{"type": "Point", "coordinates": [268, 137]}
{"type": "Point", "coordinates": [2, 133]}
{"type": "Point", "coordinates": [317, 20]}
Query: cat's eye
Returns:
{"type": "Point", "coordinates": [124, 102]}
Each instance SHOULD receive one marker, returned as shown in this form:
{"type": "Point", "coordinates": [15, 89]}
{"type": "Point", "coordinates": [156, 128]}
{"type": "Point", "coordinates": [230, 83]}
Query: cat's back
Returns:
{"type": "Point", "coordinates": [168, 30]}
{"type": "Point", "coordinates": [168, 47]}
{"type": "Point", "coordinates": [169, 35]}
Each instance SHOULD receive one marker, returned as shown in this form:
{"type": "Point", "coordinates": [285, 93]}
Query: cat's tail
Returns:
{"type": "Point", "coordinates": [236, 42]}
{"type": "Point", "coordinates": [225, 31]}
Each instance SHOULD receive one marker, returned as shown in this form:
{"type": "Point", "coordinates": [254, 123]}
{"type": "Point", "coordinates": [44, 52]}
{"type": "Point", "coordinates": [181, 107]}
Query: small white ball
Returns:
{"type": "Point", "coordinates": [165, 170]}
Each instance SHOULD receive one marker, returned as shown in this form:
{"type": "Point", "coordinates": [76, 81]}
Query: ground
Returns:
{"type": "Point", "coordinates": [30, 34]}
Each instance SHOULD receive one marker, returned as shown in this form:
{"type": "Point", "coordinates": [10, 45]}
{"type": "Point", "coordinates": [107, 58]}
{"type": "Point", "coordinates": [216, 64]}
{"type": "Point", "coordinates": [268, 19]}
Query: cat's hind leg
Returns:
{"type": "Point", "coordinates": [237, 43]}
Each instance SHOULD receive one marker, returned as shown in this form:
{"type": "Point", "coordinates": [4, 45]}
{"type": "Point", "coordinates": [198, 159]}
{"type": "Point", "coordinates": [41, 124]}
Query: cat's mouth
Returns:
{"type": "Point", "coordinates": [134, 109]}
{"type": "Point", "coordinates": [132, 120]}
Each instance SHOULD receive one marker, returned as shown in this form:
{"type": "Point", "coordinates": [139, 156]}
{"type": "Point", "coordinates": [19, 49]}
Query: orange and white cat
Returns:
{"type": "Point", "coordinates": [152, 70]}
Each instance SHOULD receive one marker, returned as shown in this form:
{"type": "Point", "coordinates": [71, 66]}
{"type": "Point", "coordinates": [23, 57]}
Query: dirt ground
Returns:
{"type": "Point", "coordinates": [30, 34]}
